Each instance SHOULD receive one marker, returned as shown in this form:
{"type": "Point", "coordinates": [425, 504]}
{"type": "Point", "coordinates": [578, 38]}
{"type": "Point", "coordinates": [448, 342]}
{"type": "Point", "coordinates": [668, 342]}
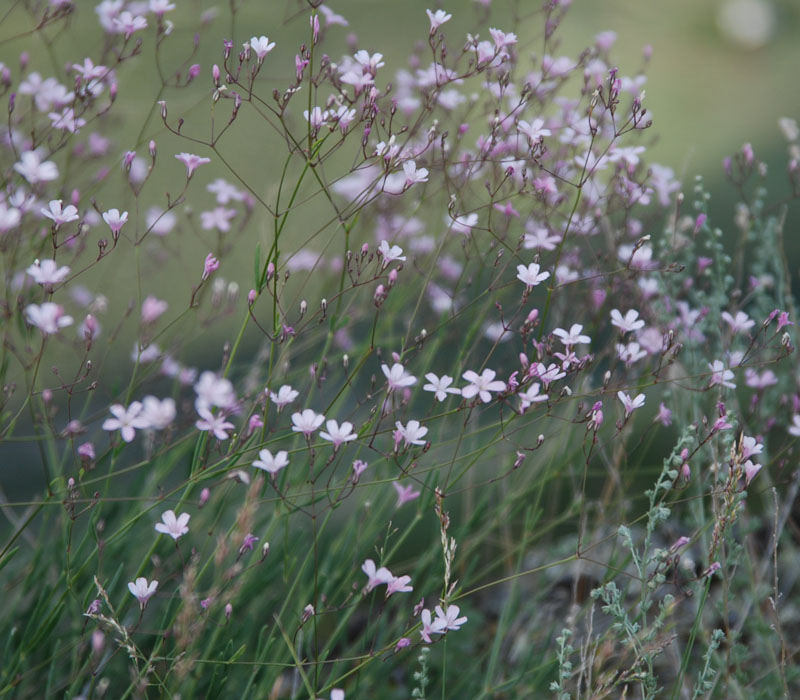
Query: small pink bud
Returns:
{"type": "Point", "coordinates": [393, 277]}
{"type": "Point", "coordinates": [364, 250]}
{"type": "Point", "coordinates": [228, 611]}
{"type": "Point", "coordinates": [205, 494]}
{"type": "Point", "coordinates": [211, 265]}
{"type": "Point", "coordinates": [698, 224]}
{"type": "Point", "coordinates": [532, 316]}
{"type": "Point", "coordinates": [47, 395]}
{"type": "Point", "coordinates": [194, 71]}
{"type": "Point", "coordinates": [75, 197]}
{"type": "Point", "coordinates": [251, 297]}
{"type": "Point", "coordinates": [98, 642]}
{"type": "Point", "coordinates": [270, 270]}
{"type": "Point", "coordinates": [152, 148]}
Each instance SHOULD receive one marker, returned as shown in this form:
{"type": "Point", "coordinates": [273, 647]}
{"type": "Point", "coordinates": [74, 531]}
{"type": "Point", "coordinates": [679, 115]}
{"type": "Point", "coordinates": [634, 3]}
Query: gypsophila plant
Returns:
{"type": "Point", "coordinates": [326, 375]}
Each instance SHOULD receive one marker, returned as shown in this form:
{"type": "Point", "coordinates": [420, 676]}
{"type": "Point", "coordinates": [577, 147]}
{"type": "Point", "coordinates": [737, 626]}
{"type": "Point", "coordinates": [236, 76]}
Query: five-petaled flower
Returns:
{"type": "Point", "coordinates": [192, 162]}
{"type": "Point", "coordinates": [481, 384]}
{"type": "Point", "coordinates": [530, 275]}
{"type": "Point", "coordinates": [173, 526]}
{"type": "Point", "coordinates": [630, 404]}
{"type": "Point", "coordinates": [390, 253]}
{"type": "Point", "coordinates": [306, 422]}
{"type": "Point", "coordinates": [284, 397]}
{"type": "Point", "coordinates": [375, 576]}
{"type": "Point", "coordinates": [449, 619]}
{"type": "Point", "coordinates": [405, 494]}
{"type": "Point", "coordinates": [440, 386]}
{"type": "Point", "coordinates": [629, 322]}
{"type": "Point", "coordinates": [397, 376]}
{"type": "Point", "coordinates": [338, 434]}
{"type": "Point", "coordinates": [142, 590]}
{"type": "Point", "coordinates": [413, 433]}
{"type": "Point", "coordinates": [213, 423]}
{"type": "Point", "coordinates": [271, 463]}
{"type": "Point", "coordinates": [127, 420]}
{"type": "Point", "coordinates": [47, 272]}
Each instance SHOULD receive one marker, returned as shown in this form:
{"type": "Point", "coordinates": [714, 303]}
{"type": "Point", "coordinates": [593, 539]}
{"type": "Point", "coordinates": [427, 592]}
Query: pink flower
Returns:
{"type": "Point", "coordinates": [152, 308]}
{"type": "Point", "coordinates": [398, 584]}
{"type": "Point", "coordinates": [390, 254]}
{"type": "Point", "coordinates": [211, 265]}
{"type": "Point", "coordinates": [261, 46]}
{"type": "Point", "coordinates": [375, 577]}
{"type": "Point", "coordinates": [127, 24]}
{"type": "Point", "coordinates": [750, 470]}
{"type": "Point", "coordinates": [405, 494]}
{"type": "Point", "coordinates": [192, 162]}
{"type": "Point", "coordinates": [449, 619]}
{"type": "Point", "coordinates": [173, 526]}
{"type": "Point", "coordinates": [573, 336]}
{"type": "Point", "coordinates": [429, 626]}
{"type": "Point", "coordinates": [34, 169]}
{"type": "Point", "coordinates": [213, 424]}
{"type": "Point", "coordinates": [284, 397]}
{"type": "Point", "coordinates": [440, 386]}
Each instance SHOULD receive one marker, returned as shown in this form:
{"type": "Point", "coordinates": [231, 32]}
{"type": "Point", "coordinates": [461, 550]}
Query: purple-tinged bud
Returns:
{"type": "Point", "coordinates": [726, 165]}
{"type": "Point", "coordinates": [308, 612]}
{"type": "Point", "coordinates": [127, 160]}
{"type": "Point", "coordinates": [699, 222]}
{"type": "Point", "coordinates": [47, 395]}
{"type": "Point", "coordinates": [251, 297]}
{"type": "Point", "coordinates": [686, 471]}
{"type": "Point", "coordinates": [194, 71]}
{"type": "Point", "coordinates": [228, 611]}
{"type": "Point", "coordinates": [463, 129]}
{"type": "Point", "coordinates": [163, 105]}
{"type": "Point", "coordinates": [524, 361]}
{"type": "Point", "coordinates": [532, 317]}
{"type": "Point", "coordinates": [393, 277]}
{"type": "Point", "coordinates": [12, 98]}
{"type": "Point", "coordinates": [94, 607]}
{"type": "Point", "coordinates": [86, 451]}
{"type": "Point", "coordinates": [228, 47]}
{"type": "Point", "coordinates": [679, 543]}
{"type": "Point", "coordinates": [112, 91]}
{"type": "Point", "coordinates": [24, 58]}
{"type": "Point", "coordinates": [747, 152]}
{"type": "Point", "coordinates": [211, 265]}
{"type": "Point", "coordinates": [270, 271]}
{"type": "Point", "coordinates": [152, 148]}
{"type": "Point", "coordinates": [364, 250]}
{"type": "Point", "coordinates": [314, 22]}
{"type": "Point", "coordinates": [75, 197]}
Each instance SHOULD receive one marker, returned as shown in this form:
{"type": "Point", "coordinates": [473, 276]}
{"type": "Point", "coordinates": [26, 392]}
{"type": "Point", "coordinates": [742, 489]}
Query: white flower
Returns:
{"type": "Point", "coordinates": [390, 254]}
{"type": "Point", "coordinates": [533, 130]}
{"type": "Point", "coordinates": [630, 404]}
{"type": "Point", "coordinates": [414, 174]}
{"type": "Point", "coordinates": [126, 420]}
{"type": "Point", "coordinates": [58, 215]}
{"type": "Point", "coordinates": [530, 275]}
{"type": "Point", "coordinates": [412, 432]}
{"type": "Point", "coordinates": [481, 384]}
{"type": "Point", "coordinates": [270, 463]}
{"type": "Point", "coordinates": [284, 397]}
{"type": "Point", "coordinates": [573, 336]}
{"type": "Point", "coordinates": [142, 590]}
{"type": "Point", "coordinates": [794, 428]}
{"type": "Point", "coordinates": [397, 376]}
{"type": "Point", "coordinates": [307, 422]}
{"type": "Point", "coordinates": [628, 322]}
{"type": "Point", "coordinates": [261, 45]}
{"type": "Point", "coordinates": [530, 396]}
{"type": "Point", "coordinates": [338, 434]}
{"type": "Point", "coordinates": [441, 386]}
{"type": "Point", "coordinates": [173, 526]}
{"type": "Point", "coordinates": [47, 272]}
{"type": "Point", "coordinates": [438, 18]}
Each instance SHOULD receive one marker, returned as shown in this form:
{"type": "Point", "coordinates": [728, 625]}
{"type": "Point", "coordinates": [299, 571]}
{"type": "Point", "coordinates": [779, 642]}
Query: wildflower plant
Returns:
{"type": "Point", "coordinates": [475, 317]}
